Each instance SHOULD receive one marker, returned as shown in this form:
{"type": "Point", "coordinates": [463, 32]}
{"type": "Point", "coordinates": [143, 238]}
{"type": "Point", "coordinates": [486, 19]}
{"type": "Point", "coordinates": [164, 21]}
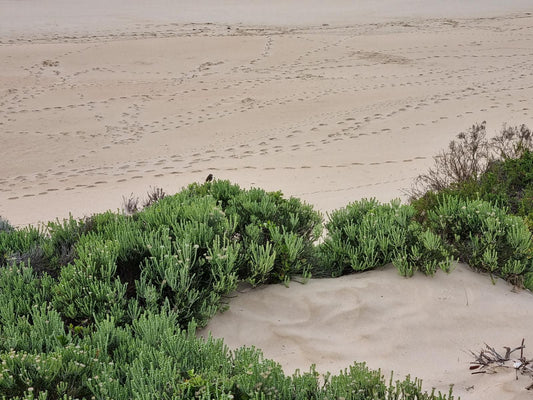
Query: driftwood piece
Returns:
{"type": "Point", "coordinates": [488, 359]}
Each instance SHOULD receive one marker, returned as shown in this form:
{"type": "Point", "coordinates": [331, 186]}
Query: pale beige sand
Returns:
{"type": "Point", "coordinates": [102, 99]}
{"type": "Point", "coordinates": [93, 110]}
{"type": "Point", "coordinates": [421, 326]}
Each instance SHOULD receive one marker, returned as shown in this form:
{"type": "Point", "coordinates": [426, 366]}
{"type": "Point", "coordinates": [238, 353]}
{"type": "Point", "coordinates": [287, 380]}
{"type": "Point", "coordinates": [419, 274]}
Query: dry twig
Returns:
{"type": "Point", "coordinates": [489, 359]}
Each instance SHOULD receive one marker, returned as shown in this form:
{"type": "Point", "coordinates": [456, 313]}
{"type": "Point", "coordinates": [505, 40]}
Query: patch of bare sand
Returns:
{"type": "Point", "coordinates": [423, 326]}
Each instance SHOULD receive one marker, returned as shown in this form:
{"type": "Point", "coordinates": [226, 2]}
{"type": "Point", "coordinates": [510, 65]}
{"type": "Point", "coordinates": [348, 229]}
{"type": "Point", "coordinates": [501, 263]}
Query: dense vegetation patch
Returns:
{"type": "Point", "coordinates": [479, 198]}
{"type": "Point", "coordinates": [485, 237]}
{"type": "Point", "coordinates": [507, 183]}
{"type": "Point", "coordinates": [366, 234]}
{"type": "Point", "coordinates": [499, 170]}
{"type": "Point", "coordinates": [183, 253]}
{"type": "Point", "coordinates": [107, 306]}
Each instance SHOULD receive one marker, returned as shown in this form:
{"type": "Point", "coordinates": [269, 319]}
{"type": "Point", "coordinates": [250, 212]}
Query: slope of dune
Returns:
{"type": "Point", "coordinates": [423, 326]}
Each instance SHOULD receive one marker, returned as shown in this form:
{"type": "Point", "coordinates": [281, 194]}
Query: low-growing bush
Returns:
{"type": "Point", "coordinates": [277, 234]}
{"type": "Point", "coordinates": [183, 253]}
{"type": "Point", "coordinates": [481, 234]}
{"type": "Point", "coordinates": [5, 225]}
{"type": "Point", "coordinates": [367, 234]}
{"type": "Point", "coordinates": [470, 157]}
{"type": "Point", "coordinates": [484, 236]}
{"type": "Point", "coordinates": [155, 359]}
{"type": "Point", "coordinates": [506, 183]}
{"type": "Point", "coordinates": [467, 196]}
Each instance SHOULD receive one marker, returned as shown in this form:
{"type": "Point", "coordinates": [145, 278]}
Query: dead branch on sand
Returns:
{"type": "Point", "coordinates": [488, 360]}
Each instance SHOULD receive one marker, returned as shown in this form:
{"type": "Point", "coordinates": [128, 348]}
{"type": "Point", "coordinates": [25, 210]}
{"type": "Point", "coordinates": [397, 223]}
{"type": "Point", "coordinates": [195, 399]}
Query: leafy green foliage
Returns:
{"type": "Point", "coordinates": [183, 252]}
{"type": "Point", "coordinates": [507, 183]}
{"type": "Point", "coordinates": [107, 306]}
{"type": "Point", "coordinates": [366, 234]}
{"type": "Point", "coordinates": [5, 226]}
{"type": "Point", "coordinates": [271, 229]}
{"type": "Point", "coordinates": [465, 198]}
{"type": "Point", "coordinates": [484, 236]}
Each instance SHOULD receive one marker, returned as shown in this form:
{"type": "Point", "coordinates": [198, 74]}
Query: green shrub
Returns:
{"type": "Point", "coordinates": [5, 226]}
{"type": "Point", "coordinates": [366, 234]}
{"type": "Point", "coordinates": [22, 245]}
{"type": "Point", "coordinates": [268, 227]}
{"type": "Point", "coordinates": [184, 252]}
{"type": "Point", "coordinates": [507, 183]}
{"type": "Point", "coordinates": [484, 236]}
{"type": "Point", "coordinates": [97, 307]}
{"type": "Point", "coordinates": [470, 156]}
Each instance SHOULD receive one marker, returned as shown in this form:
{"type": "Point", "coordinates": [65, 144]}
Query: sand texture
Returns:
{"type": "Point", "coordinates": [328, 103]}
{"type": "Point", "coordinates": [421, 326]}
{"type": "Point", "coordinates": [327, 113]}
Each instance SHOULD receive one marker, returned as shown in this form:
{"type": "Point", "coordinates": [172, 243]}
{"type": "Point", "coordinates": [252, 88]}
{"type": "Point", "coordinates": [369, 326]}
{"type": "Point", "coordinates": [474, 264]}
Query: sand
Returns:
{"type": "Point", "coordinates": [92, 110]}
{"type": "Point", "coordinates": [330, 102]}
{"type": "Point", "coordinates": [422, 326]}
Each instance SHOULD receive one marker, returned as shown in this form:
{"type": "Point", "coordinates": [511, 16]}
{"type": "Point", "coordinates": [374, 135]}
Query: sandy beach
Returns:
{"type": "Point", "coordinates": [330, 104]}
{"type": "Point", "coordinates": [329, 113]}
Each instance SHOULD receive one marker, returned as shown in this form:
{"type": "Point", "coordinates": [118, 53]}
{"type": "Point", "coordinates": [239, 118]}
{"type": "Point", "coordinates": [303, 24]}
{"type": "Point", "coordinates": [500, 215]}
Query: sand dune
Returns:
{"type": "Point", "coordinates": [343, 101]}
{"type": "Point", "coordinates": [421, 326]}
